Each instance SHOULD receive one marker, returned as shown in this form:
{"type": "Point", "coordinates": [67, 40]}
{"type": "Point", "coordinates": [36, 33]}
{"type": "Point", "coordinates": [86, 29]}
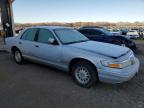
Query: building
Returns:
{"type": "Point", "coordinates": [6, 14]}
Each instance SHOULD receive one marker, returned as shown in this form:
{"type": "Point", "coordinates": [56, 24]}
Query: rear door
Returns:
{"type": "Point", "coordinates": [27, 42]}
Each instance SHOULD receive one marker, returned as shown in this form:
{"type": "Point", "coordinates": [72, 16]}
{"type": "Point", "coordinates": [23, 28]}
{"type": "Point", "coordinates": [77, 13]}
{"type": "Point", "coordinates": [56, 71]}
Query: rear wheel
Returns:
{"type": "Point", "coordinates": [17, 56]}
{"type": "Point", "coordinates": [84, 74]}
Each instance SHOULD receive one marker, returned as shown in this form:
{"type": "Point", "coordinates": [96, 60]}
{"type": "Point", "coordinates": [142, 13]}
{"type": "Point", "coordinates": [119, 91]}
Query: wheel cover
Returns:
{"type": "Point", "coordinates": [18, 56]}
{"type": "Point", "coordinates": [82, 75]}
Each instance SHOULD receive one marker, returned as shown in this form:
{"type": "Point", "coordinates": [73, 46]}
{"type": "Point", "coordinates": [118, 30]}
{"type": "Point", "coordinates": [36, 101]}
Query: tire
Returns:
{"type": "Point", "coordinates": [84, 74]}
{"type": "Point", "coordinates": [17, 56]}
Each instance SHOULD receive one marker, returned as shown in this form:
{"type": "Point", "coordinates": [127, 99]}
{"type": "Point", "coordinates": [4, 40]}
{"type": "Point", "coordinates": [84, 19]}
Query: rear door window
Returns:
{"type": "Point", "coordinates": [90, 32]}
{"type": "Point", "coordinates": [94, 32]}
{"type": "Point", "coordinates": [84, 32]}
{"type": "Point", "coordinates": [29, 34]}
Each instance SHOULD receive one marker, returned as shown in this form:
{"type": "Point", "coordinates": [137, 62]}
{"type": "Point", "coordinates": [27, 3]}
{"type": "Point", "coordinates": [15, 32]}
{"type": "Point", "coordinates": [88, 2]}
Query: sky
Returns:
{"type": "Point", "coordinates": [32, 11]}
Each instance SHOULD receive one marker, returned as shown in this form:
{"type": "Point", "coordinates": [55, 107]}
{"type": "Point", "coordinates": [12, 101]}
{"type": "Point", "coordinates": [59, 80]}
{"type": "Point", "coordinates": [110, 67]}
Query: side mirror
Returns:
{"type": "Point", "coordinates": [52, 41]}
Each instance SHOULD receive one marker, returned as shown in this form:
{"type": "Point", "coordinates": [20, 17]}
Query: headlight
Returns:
{"type": "Point", "coordinates": [118, 65]}
{"type": "Point", "coordinates": [111, 64]}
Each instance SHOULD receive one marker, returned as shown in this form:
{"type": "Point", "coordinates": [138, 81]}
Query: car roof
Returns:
{"type": "Point", "coordinates": [51, 27]}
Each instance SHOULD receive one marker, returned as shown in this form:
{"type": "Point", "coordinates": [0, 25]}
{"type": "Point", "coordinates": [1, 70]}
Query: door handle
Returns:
{"type": "Point", "coordinates": [20, 43]}
{"type": "Point", "coordinates": [36, 46]}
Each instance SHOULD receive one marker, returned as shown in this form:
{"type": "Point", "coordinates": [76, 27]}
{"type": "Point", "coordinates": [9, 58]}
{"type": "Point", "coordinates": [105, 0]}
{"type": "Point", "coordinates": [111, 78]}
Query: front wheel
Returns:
{"type": "Point", "coordinates": [17, 56]}
{"type": "Point", "coordinates": [84, 74]}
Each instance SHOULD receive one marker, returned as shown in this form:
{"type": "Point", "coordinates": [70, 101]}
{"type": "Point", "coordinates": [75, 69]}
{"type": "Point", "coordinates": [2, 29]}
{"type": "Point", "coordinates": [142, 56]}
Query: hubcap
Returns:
{"type": "Point", "coordinates": [82, 75]}
{"type": "Point", "coordinates": [18, 56]}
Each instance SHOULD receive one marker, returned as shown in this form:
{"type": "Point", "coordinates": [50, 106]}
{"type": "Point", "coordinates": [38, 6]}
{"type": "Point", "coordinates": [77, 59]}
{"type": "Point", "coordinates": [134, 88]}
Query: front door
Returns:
{"type": "Point", "coordinates": [46, 51]}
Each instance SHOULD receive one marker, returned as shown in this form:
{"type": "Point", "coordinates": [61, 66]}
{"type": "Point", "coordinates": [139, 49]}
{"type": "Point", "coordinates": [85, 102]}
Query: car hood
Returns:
{"type": "Point", "coordinates": [105, 49]}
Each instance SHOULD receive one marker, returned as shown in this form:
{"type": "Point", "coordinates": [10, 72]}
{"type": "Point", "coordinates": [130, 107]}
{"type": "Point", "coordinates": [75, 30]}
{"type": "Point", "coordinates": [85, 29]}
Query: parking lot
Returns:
{"type": "Point", "coordinates": [36, 86]}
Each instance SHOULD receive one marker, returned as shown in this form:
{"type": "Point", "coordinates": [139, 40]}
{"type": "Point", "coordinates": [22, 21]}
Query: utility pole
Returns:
{"type": "Point", "coordinates": [7, 17]}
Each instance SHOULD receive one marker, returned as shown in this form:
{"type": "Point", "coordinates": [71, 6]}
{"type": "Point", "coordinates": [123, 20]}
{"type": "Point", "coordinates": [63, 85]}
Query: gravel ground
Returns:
{"type": "Point", "coordinates": [35, 86]}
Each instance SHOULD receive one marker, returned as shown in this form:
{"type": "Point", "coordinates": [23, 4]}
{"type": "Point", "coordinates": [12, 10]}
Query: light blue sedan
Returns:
{"type": "Point", "coordinates": [68, 50]}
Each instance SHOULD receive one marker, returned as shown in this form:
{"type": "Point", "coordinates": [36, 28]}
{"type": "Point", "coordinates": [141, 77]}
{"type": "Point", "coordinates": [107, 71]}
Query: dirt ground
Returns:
{"type": "Point", "coordinates": [35, 86]}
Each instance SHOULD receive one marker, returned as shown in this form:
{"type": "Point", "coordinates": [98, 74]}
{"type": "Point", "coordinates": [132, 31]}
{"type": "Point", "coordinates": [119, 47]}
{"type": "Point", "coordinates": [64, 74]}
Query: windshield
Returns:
{"type": "Point", "coordinates": [106, 32]}
{"type": "Point", "coordinates": [69, 36]}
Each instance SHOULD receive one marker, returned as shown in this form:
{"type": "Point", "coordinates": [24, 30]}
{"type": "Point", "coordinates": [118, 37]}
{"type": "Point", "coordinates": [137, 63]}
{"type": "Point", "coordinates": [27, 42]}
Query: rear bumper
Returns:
{"type": "Point", "coordinates": [113, 76]}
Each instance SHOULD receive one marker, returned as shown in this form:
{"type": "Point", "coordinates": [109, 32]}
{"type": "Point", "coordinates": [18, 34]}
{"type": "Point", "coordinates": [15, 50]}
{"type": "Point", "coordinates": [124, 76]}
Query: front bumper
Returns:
{"type": "Point", "coordinates": [111, 75]}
